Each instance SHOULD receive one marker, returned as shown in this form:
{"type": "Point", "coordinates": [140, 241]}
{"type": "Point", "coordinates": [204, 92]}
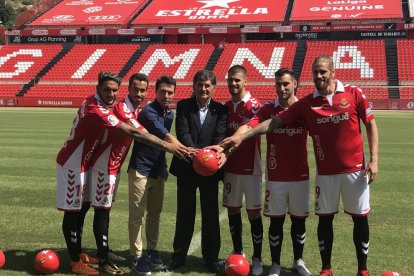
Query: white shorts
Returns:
{"type": "Point", "coordinates": [235, 185]}
{"type": "Point", "coordinates": [353, 187]}
{"type": "Point", "coordinates": [69, 189]}
{"type": "Point", "coordinates": [287, 196]}
{"type": "Point", "coordinates": [101, 188]}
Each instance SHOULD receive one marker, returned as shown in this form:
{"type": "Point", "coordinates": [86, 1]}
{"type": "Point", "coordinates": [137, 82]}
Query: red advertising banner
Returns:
{"type": "Point", "coordinates": [330, 10]}
{"type": "Point", "coordinates": [48, 102]}
{"type": "Point", "coordinates": [8, 101]}
{"type": "Point", "coordinates": [165, 12]}
{"type": "Point", "coordinates": [89, 13]}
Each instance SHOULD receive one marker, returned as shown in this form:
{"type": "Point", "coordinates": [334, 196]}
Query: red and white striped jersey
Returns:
{"type": "Point", "coordinates": [247, 159]}
{"type": "Point", "coordinates": [92, 118]}
{"type": "Point", "coordinates": [286, 147]}
{"type": "Point", "coordinates": [114, 147]}
{"type": "Point", "coordinates": [334, 124]}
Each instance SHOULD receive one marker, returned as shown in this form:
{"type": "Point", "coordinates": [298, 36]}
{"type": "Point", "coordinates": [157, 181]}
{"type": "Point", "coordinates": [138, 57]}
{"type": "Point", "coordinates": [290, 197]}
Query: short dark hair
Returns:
{"type": "Point", "coordinates": [283, 71]}
{"type": "Point", "coordinates": [236, 69]}
{"type": "Point", "coordinates": [139, 77]}
{"type": "Point", "coordinates": [167, 80]}
{"type": "Point", "coordinates": [106, 76]}
{"type": "Point", "coordinates": [205, 75]}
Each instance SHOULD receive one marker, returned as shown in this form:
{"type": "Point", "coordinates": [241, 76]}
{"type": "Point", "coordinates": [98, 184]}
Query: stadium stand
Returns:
{"type": "Point", "coordinates": [371, 45]}
{"type": "Point", "coordinates": [357, 62]}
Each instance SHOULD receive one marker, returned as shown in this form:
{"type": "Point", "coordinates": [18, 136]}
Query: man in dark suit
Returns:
{"type": "Point", "coordinates": [200, 122]}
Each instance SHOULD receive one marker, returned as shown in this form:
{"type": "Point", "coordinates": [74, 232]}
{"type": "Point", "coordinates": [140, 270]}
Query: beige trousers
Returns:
{"type": "Point", "coordinates": [145, 194]}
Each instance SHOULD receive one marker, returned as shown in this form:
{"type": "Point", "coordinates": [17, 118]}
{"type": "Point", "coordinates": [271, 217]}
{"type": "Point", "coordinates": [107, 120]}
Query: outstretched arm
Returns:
{"type": "Point", "coordinates": [372, 136]}
{"type": "Point", "coordinates": [144, 137]}
{"type": "Point", "coordinates": [244, 132]}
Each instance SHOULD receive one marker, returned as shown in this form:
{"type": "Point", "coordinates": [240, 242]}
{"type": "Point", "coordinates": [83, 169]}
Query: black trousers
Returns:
{"type": "Point", "coordinates": [186, 212]}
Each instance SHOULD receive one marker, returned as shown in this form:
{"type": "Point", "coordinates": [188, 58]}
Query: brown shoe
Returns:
{"type": "Point", "coordinates": [82, 268]}
{"type": "Point", "coordinates": [88, 259]}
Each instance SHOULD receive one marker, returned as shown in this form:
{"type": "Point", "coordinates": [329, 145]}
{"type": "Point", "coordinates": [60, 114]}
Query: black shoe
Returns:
{"type": "Point", "coordinates": [173, 266]}
{"type": "Point", "coordinates": [212, 267]}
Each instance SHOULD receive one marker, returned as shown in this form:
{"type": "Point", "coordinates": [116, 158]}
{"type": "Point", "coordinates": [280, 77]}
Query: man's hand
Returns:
{"type": "Point", "coordinates": [232, 143]}
{"type": "Point", "coordinates": [221, 154]}
{"type": "Point", "coordinates": [372, 171]}
{"type": "Point", "coordinates": [181, 151]}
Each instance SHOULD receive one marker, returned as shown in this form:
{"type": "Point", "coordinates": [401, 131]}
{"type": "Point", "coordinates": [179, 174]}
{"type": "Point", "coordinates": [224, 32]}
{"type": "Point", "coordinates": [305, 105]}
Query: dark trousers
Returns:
{"type": "Point", "coordinates": [186, 212]}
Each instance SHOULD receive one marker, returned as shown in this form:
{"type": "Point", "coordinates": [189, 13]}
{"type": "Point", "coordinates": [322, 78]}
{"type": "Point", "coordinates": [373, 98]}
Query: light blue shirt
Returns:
{"type": "Point", "coordinates": [203, 111]}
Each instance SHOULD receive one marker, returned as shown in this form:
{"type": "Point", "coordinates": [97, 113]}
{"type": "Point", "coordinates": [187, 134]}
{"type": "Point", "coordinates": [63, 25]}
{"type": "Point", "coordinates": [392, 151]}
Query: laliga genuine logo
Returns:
{"type": "Point", "coordinates": [93, 9]}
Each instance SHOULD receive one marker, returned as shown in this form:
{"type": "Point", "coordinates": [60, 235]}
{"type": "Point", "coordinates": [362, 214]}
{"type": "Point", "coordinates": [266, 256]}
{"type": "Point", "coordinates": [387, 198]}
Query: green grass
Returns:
{"type": "Point", "coordinates": [31, 137]}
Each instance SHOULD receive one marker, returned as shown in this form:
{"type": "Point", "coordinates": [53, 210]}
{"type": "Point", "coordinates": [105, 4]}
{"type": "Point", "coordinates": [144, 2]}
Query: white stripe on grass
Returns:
{"type": "Point", "coordinates": [196, 241]}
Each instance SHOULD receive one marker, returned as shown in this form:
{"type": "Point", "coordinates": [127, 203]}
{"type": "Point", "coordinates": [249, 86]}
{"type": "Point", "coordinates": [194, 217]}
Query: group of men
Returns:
{"type": "Point", "coordinates": [89, 163]}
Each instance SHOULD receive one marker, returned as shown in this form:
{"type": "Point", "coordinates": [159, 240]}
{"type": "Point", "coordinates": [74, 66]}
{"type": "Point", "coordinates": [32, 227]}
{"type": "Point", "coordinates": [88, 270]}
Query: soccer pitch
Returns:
{"type": "Point", "coordinates": [31, 137]}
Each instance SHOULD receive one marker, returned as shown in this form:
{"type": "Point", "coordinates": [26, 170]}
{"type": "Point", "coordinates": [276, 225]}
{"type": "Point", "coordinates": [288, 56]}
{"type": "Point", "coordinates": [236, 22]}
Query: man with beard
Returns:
{"type": "Point", "coordinates": [333, 113]}
{"type": "Point", "coordinates": [93, 118]}
{"type": "Point", "coordinates": [243, 177]}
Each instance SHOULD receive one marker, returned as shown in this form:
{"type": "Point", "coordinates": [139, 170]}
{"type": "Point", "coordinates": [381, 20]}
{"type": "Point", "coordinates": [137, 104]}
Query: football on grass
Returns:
{"type": "Point", "coordinates": [205, 162]}
{"type": "Point", "coordinates": [2, 259]}
{"type": "Point", "coordinates": [46, 262]}
{"type": "Point", "coordinates": [390, 273]}
{"type": "Point", "coordinates": [237, 265]}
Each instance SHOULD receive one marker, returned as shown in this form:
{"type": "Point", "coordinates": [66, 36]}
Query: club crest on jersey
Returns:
{"type": "Point", "coordinates": [113, 120]}
{"type": "Point", "coordinates": [76, 203]}
{"type": "Point", "coordinates": [344, 103]}
{"type": "Point", "coordinates": [105, 200]}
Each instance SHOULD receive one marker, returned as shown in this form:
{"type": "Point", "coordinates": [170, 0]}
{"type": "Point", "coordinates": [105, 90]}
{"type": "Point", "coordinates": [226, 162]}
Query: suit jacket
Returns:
{"type": "Point", "coordinates": [191, 134]}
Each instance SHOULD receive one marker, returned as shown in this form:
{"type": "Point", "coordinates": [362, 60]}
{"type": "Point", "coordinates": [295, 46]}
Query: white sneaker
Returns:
{"type": "Point", "coordinates": [274, 270]}
{"type": "Point", "coordinates": [257, 267]}
{"type": "Point", "coordinates": [300, 268]}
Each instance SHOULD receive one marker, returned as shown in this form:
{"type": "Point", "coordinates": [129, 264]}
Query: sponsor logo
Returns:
{"type": "Point", "coordinates": [250, 30]}
{"type": "Point", "coordinates": [233, 125]}
{"type": "Point", "coordinates": [224, 11]}
{"type": "Point", "coordinates": [17, 39]}
{"type": "Point", "coordinates": [57, 103]}
{"type": "Point", "coordinates": [59, 19]}
{"type": "Point", "coordinates": [333, 119]}
{"type": "Point", "coordinates": [282, 29]}
{"type": "Point", "coordinates": [187, 30]}
{"type": "Point", "coordinates": [121, 2]}
{"type": "Point", "coordinates": [104, 17]}
{"type": "Point", "coordinates": [221, 30]}
{"type": "Point", "coordinates": [96, 31]}
{"type": "Point", "coordinates": [113, 120]}
{"type": "Point", "coordinates": [93, 9]}
{"type": "Point", "coordinates": [156, 31]}
{"type": "Point", "coordinates": [126, 31]}
{"type": "Point", "coordinates": [368, 111]}
{"type": "Point", "coordinates": [40, 32]}
{"type": "Point", "coordinates": [410, 105]}
{"type": "Point", "coordinates": [134, 123]}
{"type": "Point", "coordinates": [80, 3]}
{"type": "Point", "coordinates": [67, 32]}
{"type": "Point", "coordinates": [288, 131]}
{"type": "Point", "coordinates": [12, 32]}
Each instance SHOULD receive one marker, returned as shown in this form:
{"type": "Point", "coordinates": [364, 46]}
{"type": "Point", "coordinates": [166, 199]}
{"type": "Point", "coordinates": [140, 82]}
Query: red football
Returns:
{"type": "Point", "coordinates": [46, 262]}
{"type": "Point", "coordinates": [390, 273]}
{"type": "Point", "coordinates": [2, 259]}
{"type": "Point", "coordinates": [205, 162]}
{"type": "Point", "coordinates": [237, 265]}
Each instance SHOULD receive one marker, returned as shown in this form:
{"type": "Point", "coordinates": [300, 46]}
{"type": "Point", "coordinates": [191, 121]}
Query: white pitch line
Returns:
{"type": "Point", "coordinates": [196, 242]}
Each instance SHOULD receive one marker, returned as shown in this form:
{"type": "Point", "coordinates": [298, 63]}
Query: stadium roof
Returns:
{"type": "Point", "coordinates": [89, 13]}
{"type": "Point", "coordinates": [209, 12]}
{"type": "Point", "coordinates": [326, 10]}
